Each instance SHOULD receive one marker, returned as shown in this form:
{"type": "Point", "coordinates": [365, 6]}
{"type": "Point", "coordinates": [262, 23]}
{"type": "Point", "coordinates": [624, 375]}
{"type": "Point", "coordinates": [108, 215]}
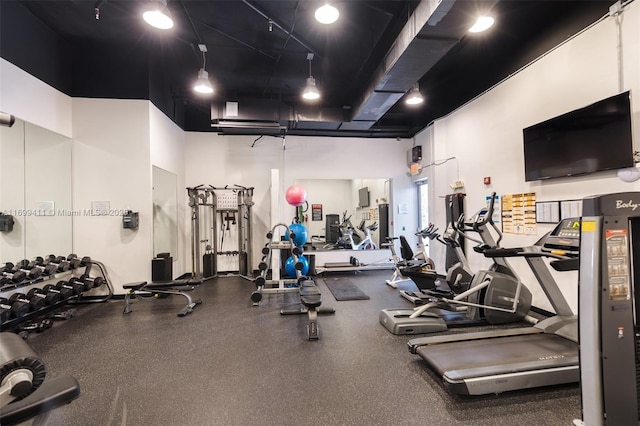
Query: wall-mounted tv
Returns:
{"type": "Point", "coordinates": [587, 140]}
{"type": "Point", "coordinates": [363, 197]}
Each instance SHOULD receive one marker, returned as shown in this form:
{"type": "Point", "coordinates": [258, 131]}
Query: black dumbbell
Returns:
{"type": "Point", "coordinates": [6, 267]}
{"type": "Point", "coordinates": [77, 285]}
{"type": "Point", "coordinates": [88, 282]}
{"type": "Point", "coordinates": [75, 288]}
{"type": "Point", "coordinates": [5, 313]}
{"type": "Point", "coordinates": [17, 309]}
{"type": "Point", "coordinates": [38, 263]}
{"type": "Point", "coordinates": [64, 315]}
{"type": "Point", "coordinates": [35, 303]}
{"type": "Point", "coordinates": [37, 326]}
{"type": "Point", "coordinates": [76, 262]}
{"type": "Point", "coordinates": [61, 263]}
{"type": "Point", "coordinates": [65, 293]}
{"type": "Point", "coordinates": [49, 297]}
{"type": "Point", "coordinates": [24, 266]}
{"type": "Point", "coordinates": [13, 277]}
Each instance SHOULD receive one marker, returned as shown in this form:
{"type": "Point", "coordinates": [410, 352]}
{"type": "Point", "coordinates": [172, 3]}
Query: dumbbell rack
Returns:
{"type": "Point", "coordinates": [281, 285]}
{"type": "Point", "coordinates": [14, 324]}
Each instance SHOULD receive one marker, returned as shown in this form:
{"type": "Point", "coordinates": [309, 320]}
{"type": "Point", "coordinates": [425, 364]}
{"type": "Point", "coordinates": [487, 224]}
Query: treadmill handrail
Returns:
{"type": "Point", "coordinates": [529, 251]}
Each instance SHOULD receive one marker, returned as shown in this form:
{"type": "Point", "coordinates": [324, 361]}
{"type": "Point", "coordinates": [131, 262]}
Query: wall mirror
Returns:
{"type": "Point", "coordinates": [35, 179]}
{"type": "Point", "coordinates": [165, 212]}
{"type": "Point", "coordinates": [328, 199]}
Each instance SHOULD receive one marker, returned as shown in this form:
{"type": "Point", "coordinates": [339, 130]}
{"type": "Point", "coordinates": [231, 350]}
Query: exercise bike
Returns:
{"type": "Point", "coordinates": [367, 243]}
{"type": "Point", "coordinates": [409, 260]}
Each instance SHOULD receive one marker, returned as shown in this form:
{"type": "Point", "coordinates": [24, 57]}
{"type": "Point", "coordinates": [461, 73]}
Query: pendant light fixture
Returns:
{"type": "Point", "coordinates": [202, 84]}
{"type": "Point", "coordinates": [483, 23]}
{"type": "Point", "coordinates": [157, 15]}
{"type": "Point", "coordinates": [327, 14]}
{"type": "Point", "coordinates": [311, 92]}
{"type": "Point", "coordinates": [415, 97]}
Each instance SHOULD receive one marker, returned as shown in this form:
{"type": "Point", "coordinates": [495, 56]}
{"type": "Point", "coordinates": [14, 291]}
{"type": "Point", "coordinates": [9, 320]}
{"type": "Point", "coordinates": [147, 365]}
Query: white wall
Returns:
{"type": "Point", "coordinates": [112, 162]}
{"type": "Point", "coordinates": [30, 99]}
{"type": "Point", "coordinates": [485, 135]}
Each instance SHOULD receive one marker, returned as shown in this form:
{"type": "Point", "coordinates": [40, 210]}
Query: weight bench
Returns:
{"type": "Point", "coordinates": [157, 290]}
{"type": "Point", "coordinates": [311, 298]}
{"type": "Point", "coordinates": [25, 394]}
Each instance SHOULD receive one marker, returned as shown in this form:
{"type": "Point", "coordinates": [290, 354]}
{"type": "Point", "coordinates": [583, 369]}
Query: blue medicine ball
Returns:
{"type": "Point", "coordinates": [300, 232]}
{"type": "Point", "coordinates": [290, 267]}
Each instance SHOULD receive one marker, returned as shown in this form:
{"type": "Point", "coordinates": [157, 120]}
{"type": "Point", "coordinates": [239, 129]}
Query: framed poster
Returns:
{"type": "Point", "coordinates": [316, 212]}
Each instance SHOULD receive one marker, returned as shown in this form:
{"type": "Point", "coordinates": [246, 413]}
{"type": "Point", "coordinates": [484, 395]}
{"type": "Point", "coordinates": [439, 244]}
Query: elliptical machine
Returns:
{"type": "Point", "coordinates": [494, 296]}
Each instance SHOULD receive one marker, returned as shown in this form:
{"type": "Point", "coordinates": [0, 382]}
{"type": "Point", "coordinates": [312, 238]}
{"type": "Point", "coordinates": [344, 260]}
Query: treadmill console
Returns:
{"type": "Point", "coordinates": [565, 236]}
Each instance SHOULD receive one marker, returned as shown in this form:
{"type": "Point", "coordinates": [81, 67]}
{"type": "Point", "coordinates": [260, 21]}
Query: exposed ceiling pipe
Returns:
{"type": "Point", "coordinates": [282, 28]}
{"type": "Point", "coordinates": [433, 28]}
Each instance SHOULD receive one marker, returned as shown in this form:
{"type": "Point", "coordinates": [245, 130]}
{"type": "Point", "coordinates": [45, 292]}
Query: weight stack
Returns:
{"type": "Point", "coordinates": [383, 216]}
{"type": "Point", "coordinates": [208, 265]}
{"type": "Point", "coordinates": [457, 202]}
{"type": "Point", "coordinates": [331, 231]}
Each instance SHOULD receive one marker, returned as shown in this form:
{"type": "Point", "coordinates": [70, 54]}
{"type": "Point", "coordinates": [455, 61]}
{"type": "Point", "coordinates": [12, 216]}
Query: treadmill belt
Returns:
{"type": "Point", "coordinates": [472, 355]}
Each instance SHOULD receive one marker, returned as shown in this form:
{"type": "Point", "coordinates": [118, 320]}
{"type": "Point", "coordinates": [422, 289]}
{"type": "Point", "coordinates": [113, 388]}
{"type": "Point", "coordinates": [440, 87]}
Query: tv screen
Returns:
{"type": "Point", "coordinates": [363, 197]}
{"type": "Point", "coordinates": [590, 139]}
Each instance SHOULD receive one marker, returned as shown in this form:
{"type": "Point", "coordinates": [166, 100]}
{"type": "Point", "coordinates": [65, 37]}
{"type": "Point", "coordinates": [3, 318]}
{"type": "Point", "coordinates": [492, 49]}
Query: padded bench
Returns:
{"type": "Point", "coordinates": [142, 289]}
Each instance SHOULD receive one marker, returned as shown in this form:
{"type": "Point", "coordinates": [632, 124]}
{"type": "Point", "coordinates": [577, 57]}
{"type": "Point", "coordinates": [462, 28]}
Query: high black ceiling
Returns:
{"type": "Point", "coordinates": [257, 56]}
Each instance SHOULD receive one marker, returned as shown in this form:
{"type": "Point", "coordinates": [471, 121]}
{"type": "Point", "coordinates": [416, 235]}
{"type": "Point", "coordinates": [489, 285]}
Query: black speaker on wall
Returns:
{"type": "Point", "coordinates": [454, 208]}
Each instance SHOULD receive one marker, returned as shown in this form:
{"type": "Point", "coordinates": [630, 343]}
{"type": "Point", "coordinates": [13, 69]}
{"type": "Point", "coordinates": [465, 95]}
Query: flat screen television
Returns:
{"type": "Point", "coordinates": [587, 140]}
{"type": "Point", "coordinates": [363, 197]}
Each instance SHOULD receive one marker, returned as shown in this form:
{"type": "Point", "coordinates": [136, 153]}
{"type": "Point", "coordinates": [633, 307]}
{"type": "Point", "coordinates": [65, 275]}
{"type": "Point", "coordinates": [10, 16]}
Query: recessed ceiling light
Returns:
{"type": "Point", "coordinates": [482, 24]}
{"type": "Point", "coordinates": [327, 14]}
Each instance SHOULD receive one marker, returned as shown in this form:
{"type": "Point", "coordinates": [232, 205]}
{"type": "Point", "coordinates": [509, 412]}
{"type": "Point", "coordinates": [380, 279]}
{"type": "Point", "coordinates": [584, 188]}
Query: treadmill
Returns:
{"type": "Point", "coordinates": [497, 361]}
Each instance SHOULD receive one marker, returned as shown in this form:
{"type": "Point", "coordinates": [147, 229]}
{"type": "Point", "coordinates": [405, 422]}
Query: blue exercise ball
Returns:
{"type": "Point", "coordinates": [300, 234]}
{"type": "Point", "coordinates": [290, 266]}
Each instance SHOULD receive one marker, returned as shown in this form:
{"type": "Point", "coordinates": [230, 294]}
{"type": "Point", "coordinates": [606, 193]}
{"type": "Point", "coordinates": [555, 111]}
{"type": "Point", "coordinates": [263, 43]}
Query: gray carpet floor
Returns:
{"type": "Point", "coordinates": [231, 363]}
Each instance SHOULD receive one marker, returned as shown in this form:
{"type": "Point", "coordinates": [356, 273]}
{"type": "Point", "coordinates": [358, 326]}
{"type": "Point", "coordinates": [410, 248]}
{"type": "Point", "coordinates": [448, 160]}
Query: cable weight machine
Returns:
{"type": "Point", "coordinates": [216, 212]}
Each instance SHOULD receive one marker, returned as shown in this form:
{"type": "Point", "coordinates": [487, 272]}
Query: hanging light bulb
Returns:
{"type": "Point", "coordinates": [202, 84]}
{"type": "Point", "coordinates": [310, 92]}
{"type": "Point", "coordinates": [483, 23]}
{"type": "Point", "coordinates": [157, 15]}
{"type": "Point", "coordinates": [327, 14]}
{"type": "Point", "coordinates": [415, 97]}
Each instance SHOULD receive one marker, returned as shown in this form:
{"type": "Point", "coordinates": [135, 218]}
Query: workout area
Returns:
{"type": "Point", "coordinates": [341, 213]}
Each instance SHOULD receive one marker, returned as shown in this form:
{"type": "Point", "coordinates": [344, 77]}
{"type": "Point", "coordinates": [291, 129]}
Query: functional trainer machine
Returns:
{"type": "Point", "coordinates": [214, 211]}
{"type": "Point", "coordinates": [497, 361]}
{"type": "Point", "coordinates": [609, 310]}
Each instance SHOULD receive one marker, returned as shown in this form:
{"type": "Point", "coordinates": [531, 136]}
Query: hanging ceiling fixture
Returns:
{"type": "Point", "coordinates": [311, 92]}
{"type": "Point", "coordinates": [157, 15]}
{"type": "Point", "coordinates": [203, 85]}
{"type": "Point", "coordinates": [327, 14]}
{"type": "Point", "coordinates": [483, 23]}
{"type": "Point", "coordinates": [415, 97]}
